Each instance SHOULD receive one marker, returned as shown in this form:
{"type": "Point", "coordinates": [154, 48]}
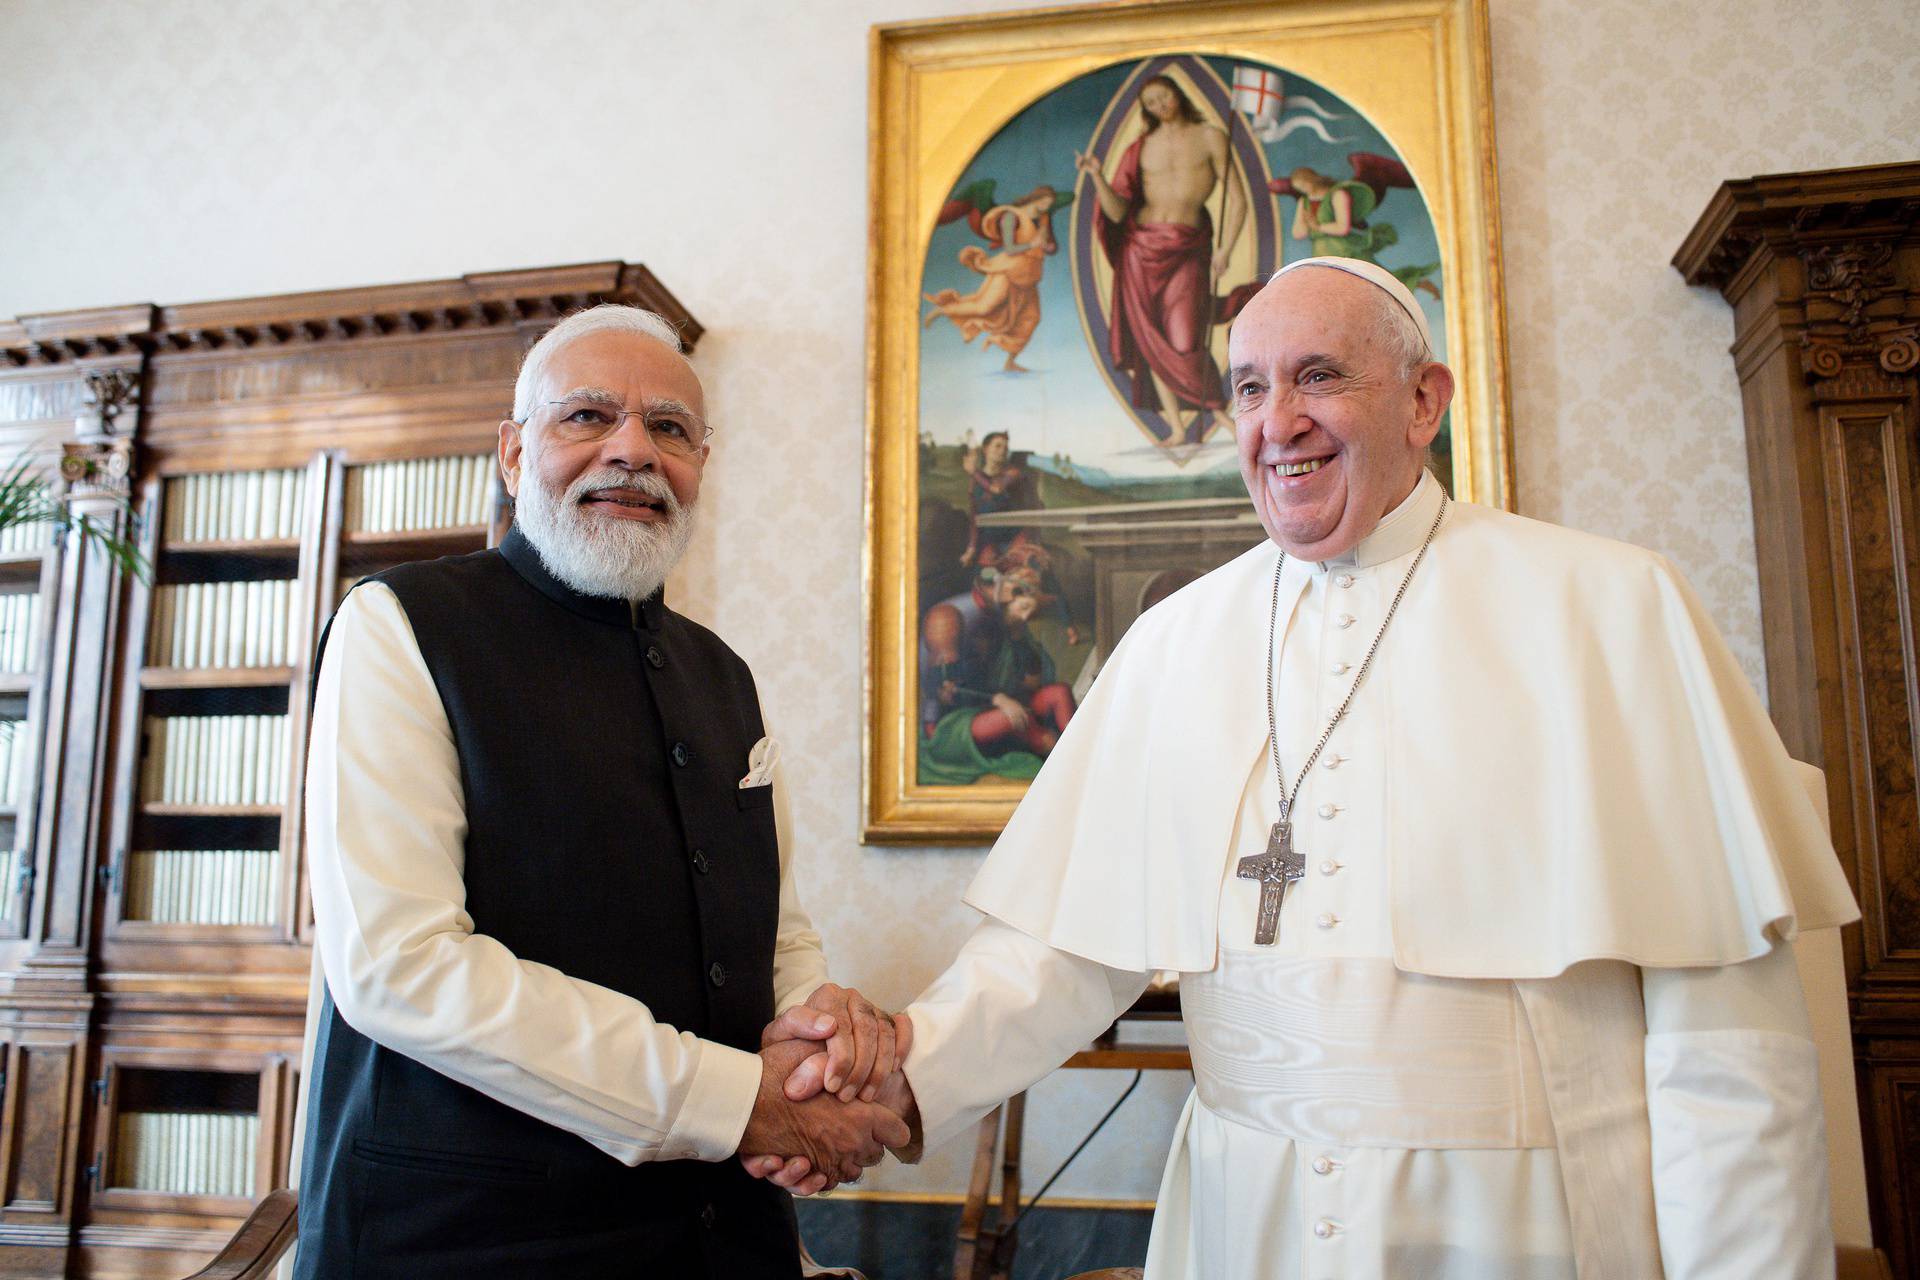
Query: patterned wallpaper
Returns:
{"type": "Point", "coordinates": [174, 151]}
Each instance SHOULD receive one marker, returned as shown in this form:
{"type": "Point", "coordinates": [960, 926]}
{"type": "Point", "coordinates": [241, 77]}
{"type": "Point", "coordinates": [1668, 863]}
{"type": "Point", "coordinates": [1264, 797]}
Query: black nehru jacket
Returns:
{"type": "Point", "coordinates": [601, 747]}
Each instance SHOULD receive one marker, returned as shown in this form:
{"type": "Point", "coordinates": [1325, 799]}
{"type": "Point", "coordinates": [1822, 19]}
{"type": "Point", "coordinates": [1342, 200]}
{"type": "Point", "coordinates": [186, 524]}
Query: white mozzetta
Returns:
{"type": "Point", "coordinates": [1578, 768]}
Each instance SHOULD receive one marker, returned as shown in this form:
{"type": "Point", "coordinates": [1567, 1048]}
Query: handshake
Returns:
{"type": "Point", "coordinates": [832, 1097]}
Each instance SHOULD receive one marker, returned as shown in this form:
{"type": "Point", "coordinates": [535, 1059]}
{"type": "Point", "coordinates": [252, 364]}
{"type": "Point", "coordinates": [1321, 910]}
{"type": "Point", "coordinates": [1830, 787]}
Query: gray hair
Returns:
{"type": "Point", "coordinates": [1395, 330]}
{"type": "Point", "coordinates": [607, 316]}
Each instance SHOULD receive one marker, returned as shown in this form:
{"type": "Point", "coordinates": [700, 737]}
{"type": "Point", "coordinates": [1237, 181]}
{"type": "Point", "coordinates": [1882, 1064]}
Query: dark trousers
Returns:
{"type": "Point", "coordinates": [393, 1212]}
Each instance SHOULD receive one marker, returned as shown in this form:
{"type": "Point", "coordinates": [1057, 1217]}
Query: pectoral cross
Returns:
{"type": "Point", "coordinates": [1275, 869]}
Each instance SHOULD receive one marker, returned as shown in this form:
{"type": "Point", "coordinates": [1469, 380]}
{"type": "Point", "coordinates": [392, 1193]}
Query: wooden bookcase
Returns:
{"type": "Point", "coordinates": [155, 931]}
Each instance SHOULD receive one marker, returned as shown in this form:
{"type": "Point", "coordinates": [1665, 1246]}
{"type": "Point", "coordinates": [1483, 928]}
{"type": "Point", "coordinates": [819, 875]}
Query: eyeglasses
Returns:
{"type": "Point", "coordinates": [674, 430]}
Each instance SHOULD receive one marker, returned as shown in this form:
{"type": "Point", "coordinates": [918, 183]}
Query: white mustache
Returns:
{"type": "Point", "coordinates": [644, 482]}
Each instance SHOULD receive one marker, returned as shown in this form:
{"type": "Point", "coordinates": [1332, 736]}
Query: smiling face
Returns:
{"type": "Point", "coordinates": [606, 480]}
{"type": "Point", "coordinates": [1331, 433]}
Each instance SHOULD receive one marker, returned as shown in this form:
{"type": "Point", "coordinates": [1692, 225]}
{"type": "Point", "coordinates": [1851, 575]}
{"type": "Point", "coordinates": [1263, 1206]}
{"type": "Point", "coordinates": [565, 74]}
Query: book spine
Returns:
{"type": "Point", "coordinates": [270, 505]}
{"type": "Point", "coordinates": [199, 758]}
{"type": "Point", "coordinates": [158, 639]}
{"type": "Point", "coordinates": [287, 622]}
{"type": "Point", "coordinates": [389, 504]}
{"type": "Point", "coordinates": [250, 485]}
{"type": "Point", "coordinates": [170, 750]}
{"type": "Point", "coordinates": [249, 761]}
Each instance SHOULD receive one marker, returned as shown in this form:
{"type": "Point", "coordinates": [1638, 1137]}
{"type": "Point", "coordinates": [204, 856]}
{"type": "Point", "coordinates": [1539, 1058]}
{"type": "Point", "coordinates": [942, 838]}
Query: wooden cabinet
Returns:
{"type": "Point", "coordinates": [1823, 272]}
{"type": "Point", "coordinates": [155, 933]}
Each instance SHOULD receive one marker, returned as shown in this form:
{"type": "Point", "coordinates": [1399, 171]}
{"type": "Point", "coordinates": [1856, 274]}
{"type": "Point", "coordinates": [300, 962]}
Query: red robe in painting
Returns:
{"type": "Point", "coordinates": [1162, 298]}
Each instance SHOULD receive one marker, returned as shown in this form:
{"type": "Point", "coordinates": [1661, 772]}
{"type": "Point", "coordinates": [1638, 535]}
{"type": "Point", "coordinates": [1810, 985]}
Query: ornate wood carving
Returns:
{"type": "Point", "coordinates": [494, 300]}
{"type": "Point", "coordinates": [1823, 271]}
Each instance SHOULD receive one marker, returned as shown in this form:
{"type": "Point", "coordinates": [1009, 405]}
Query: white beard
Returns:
{"type": "Point", "coordinates": [599, 555]}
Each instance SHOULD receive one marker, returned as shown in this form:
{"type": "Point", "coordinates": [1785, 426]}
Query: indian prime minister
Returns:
{"type": "Point", "coordinates": [1477, 856]}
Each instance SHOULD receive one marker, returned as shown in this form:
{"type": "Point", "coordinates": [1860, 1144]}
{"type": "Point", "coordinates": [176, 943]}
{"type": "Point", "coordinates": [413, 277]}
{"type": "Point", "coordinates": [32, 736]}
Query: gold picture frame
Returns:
{"type": "Point", "coordinates": [1409, 78]}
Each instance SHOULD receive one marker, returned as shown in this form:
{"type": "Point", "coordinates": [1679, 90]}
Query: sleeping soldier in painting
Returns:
{"type": "Point", "coordinates": [991, 700]}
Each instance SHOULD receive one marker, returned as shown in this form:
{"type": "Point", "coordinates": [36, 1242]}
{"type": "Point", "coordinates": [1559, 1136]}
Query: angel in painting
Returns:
{"type": "Point", "coordinates": [1019, 238]}
{"type": "Point", "coordinates": [1335, 214]}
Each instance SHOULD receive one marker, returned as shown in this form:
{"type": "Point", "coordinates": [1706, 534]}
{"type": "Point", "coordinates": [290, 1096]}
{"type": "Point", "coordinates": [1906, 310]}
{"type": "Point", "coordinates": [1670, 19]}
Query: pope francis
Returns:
{"type": "Point", "coordinates": [1478, 859]}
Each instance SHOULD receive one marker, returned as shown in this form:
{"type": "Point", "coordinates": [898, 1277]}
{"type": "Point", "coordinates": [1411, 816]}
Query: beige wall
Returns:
{"type": "Point", "coordinates": [166, 151]}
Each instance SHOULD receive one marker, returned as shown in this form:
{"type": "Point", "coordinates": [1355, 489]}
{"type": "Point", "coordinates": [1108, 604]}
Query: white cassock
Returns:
{"type": "Point", "coordinates": [1531, 1014]}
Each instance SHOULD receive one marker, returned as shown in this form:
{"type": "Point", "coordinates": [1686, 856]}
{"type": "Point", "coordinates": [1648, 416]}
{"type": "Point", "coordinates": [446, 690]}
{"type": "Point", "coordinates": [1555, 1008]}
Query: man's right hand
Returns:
{"type": "Point", "coordinates": [837, 1139]}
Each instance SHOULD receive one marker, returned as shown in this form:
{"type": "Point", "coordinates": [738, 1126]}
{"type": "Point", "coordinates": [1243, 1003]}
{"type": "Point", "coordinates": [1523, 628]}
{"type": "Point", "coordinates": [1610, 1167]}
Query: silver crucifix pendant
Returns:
{"type": "Point", "coordinates": [1280, 866]}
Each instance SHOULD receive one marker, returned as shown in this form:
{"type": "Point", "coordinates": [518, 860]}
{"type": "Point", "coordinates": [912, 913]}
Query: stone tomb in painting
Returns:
{"type": "Point", "coordinates": [1143, 552]}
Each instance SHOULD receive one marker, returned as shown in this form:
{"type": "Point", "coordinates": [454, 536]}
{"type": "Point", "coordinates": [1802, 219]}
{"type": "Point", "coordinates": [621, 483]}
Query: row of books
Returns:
{"type": "Point", "coordinates": [189, 1153]}
{"type": "Point", "coordinates": [222, 624]}
{"type": "Point", "coordinates": [215, 760]}
{"type": "Point", "coordinates": [19, 622]}
{"type": "Point", "coordinates": [234, 506]}
{"type": "Point", "coordinates": [202, 886]}
{"type": "Point", "coordinates": [419, 493]}
{"type": "Point", "coordinates": [24, 539]}
{"type": "Point", "coordinates": [16, 758]}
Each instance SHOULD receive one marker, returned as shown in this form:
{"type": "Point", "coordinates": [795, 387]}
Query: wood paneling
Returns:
{"type": "Point", "coordinates": [41, 1080]}
{"type": "Point", "coordinates": [1823, 272]}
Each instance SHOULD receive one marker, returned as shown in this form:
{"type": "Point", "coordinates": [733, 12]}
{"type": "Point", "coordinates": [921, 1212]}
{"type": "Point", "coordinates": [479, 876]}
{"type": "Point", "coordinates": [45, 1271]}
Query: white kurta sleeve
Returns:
{"type": "Point", "coordinates": [1007, 1011]}
{"type": "Point", "coordinates": [386, 826]}
{"type": "Point", "coordinates": [1739, 1137]}
{"type": "Point", "coordinates": [799, 963]}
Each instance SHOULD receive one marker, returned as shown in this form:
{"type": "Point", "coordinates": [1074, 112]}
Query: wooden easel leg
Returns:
{"type": "Point", "coordinates": [1004, 1240]}
{"type": "Point", "coordinates": [969, 1260]}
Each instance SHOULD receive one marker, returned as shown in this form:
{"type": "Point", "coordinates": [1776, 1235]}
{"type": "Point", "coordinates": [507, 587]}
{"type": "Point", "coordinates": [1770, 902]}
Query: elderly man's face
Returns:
{"type": "Point", "coordinates": [1330, 436]}
{"type": "Point", "coordinates": [626, 371]}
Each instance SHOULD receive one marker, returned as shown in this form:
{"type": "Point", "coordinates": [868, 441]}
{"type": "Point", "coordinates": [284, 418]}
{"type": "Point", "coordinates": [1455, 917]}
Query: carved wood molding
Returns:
{"type": "Point", "coordinates": [1856, 308]}
{"type": "Point", "coordinates": [490, 300]}
{"type": "Point", "coordinates": [100, 469]}
{"type": "Point", "coordinates": [1787, 214]}
{"type": "Point", "coordinates": [98, 462]}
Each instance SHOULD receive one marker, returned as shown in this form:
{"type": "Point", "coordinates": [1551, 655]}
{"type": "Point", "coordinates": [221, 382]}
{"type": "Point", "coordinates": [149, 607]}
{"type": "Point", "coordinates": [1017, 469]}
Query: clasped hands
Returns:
{"type": "Point", "coordinates": [832, 1098]}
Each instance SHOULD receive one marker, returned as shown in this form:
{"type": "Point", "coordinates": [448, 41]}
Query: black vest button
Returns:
{"type": "Point", "coordinates": [700, 861]}
{"type": "Point", "coordinates": [680, 754]}
{"type": "Point", "coordinates": [655, 658]}
{"type": "Point", "coordinates": [718, 974]}
{"type": "Point", "coordinates": [707, 1216]}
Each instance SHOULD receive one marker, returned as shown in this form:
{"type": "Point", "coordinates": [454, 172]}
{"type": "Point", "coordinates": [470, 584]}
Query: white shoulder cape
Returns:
{"type": "Point", "coordinates": [1578, 769]}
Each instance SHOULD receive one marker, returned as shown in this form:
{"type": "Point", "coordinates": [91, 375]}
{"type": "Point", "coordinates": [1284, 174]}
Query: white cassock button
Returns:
{"type": "Point", "coordinates": [1328, 810]}
{"type": "Point", "coordinates": [1326, 920]}
{"type": "Point", "coordinates": [1325, 1228]}
{"type": "Point", "coordinates": [1329, 867]}
{"type": "Point", "coordinates": [1339, 668]}
{"type": "Point", "coordinates": [1344, 621]}
{"type": "Point", "coordinates": [1333, 761]}
{"type": "Point", "coordinates": [1323, 1166]}
{"type": "Point", "coordinates": [1344, 580]}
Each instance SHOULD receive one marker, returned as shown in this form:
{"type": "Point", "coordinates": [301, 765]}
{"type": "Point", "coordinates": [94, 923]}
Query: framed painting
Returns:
{"type": "Point", "coordinates": [1069, 207]}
